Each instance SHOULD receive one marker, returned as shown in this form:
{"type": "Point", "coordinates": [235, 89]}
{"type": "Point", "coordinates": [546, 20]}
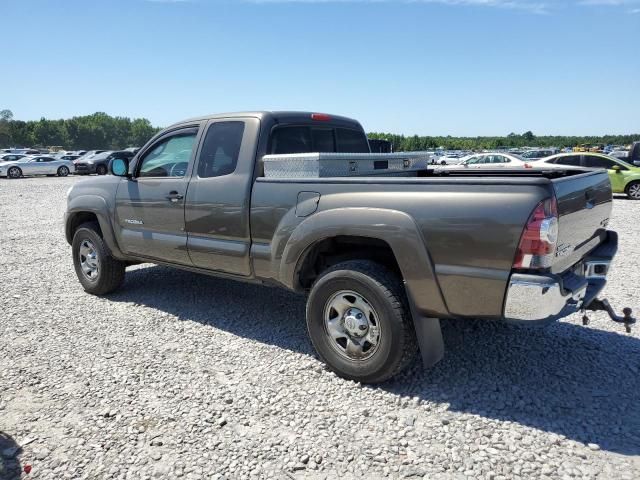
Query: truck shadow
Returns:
{"type": "Point", "coordinates": [579, 382]}
{"type": "Point", "coordinates": [9, 463]}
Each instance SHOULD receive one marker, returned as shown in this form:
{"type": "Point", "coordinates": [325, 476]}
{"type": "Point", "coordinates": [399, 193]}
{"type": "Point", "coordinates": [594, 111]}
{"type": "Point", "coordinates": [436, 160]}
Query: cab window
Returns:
{"type": "Point", "coordinates": [221, 148]}
{"type": "Point", "coordinates": [169, 157]}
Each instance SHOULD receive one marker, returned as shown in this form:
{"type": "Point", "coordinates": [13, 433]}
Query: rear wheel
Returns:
{"type": "Point", "coordinates": [14, 172]}
{"type": "Point", "coordinates": [98, 271]}
{"type": "Point", "coordinates": [101, 170]}
{"type": "Point", "coordinates": [63, 171]}
{"type": "Point", "coordinates": [358, 321]}
{"type": "Point", "coordinates": [633, 190]}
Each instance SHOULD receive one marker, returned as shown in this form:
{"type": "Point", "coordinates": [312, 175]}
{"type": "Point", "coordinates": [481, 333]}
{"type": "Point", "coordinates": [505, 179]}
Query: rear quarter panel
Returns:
{"type": "Point", "coordinates": [469, 231]}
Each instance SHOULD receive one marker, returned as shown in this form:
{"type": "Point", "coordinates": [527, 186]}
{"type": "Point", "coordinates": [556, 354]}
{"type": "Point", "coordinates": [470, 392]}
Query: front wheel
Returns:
{"type": "Point", "coordinates": [98, 271]}
{"type": "Point", "coordinates": [633, 190]}
{"type": "Point", "coordinates": [63, 171]}
{"type": "Point", "coordinates": [101, 170]}
{"type": "Point", "coordinates": [14, 172]}
{"type": "Point", "coordinates": [358, 321]}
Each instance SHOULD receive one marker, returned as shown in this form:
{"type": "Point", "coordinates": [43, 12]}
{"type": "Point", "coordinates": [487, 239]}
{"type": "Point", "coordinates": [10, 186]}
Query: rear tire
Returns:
{"type": "Point", "coordinates": [97, 270]}
{"type": "Point", "coordinates": [63, 171]}
{"type": "Point", "coordinates": [14, 172]}
{"type": "Point", "coordinates": [358, 321]}
{"type": "Point", "coordinates": [101, 170]}
{"type": "Point", "coordinates": [633, 190]}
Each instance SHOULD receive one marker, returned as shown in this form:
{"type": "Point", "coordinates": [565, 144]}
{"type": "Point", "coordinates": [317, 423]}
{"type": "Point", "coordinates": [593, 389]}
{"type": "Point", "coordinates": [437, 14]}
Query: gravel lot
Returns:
{"type": "Point", "coordinates": [182, 375]}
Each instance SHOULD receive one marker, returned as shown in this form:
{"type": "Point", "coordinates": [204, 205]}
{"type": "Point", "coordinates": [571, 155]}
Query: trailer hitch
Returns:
{"type": "Point", "coordinates": [605, 306]}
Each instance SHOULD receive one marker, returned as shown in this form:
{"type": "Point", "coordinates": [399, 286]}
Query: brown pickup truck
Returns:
{"type": "Point", "coordinates": [382, 258]}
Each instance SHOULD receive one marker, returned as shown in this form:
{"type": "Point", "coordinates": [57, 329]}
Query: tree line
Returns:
{"type": "Point", "coordinates": [102, 131]}
{"type": "Point", "coordinates": [97, 131]}
{"type": "Point", "coordinates": [402, 143]}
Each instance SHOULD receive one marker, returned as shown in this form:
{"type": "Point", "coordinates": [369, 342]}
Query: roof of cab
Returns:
{"type": "Point", "coordinates": [284, 116]}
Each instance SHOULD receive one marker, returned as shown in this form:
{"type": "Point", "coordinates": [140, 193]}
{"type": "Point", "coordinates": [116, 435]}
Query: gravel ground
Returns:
{"type": "Point", "coordinates": [182, 375]}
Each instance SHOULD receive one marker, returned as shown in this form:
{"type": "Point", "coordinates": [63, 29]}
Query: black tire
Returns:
{"type": "Point", "coordinates": [110, 273]}
{"type": "Point", "coordinates": [633, 190]}
{"type": "Point", "coordinates": [101, 170]}
{"type": "Point", "coordinates": [14, 172]}
{"type": "Point", "coordinates": [63, 171]}
{"type": "Point", "coordinates": [384, 292]}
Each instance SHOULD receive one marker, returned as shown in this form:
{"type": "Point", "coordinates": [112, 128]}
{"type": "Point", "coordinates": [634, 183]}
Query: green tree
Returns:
{"type": "Point", "coordinates": [5, 131]}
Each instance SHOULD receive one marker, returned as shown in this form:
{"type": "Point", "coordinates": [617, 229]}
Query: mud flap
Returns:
{"type": "Point", "coordinates": [429, 335]}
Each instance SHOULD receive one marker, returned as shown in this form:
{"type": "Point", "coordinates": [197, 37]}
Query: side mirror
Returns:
{"type": "Point", "coordinates": [616, 168]}
{"type": "Point", "coordinates": [119, 167]}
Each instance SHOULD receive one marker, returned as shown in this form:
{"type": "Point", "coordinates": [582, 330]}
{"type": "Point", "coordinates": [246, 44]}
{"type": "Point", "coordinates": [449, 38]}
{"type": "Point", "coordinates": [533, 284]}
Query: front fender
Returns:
{"type": "Point", "coordinates": [395, 228]}
{"type": "Point", "coordinates": [98, 206]}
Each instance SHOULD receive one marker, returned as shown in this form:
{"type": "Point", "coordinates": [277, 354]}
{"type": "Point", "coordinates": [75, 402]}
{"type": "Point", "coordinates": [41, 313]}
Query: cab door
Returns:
{"type": "Point", "coordinates": [218, 201]}
{"type": "Point", "coordinates": [150, 204]}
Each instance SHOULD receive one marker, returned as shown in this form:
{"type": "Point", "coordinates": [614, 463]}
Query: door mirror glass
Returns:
{"type": "Point", "coordinates": [120, 167]}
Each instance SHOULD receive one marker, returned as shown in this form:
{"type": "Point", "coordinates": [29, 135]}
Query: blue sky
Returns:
{"type": "Point", "coordinates": [431, 67]}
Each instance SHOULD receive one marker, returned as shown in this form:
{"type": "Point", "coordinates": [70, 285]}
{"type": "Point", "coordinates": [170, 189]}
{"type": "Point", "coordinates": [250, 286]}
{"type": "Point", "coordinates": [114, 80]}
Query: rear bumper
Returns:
{"type": "Point", "coordinates": [545, 298]}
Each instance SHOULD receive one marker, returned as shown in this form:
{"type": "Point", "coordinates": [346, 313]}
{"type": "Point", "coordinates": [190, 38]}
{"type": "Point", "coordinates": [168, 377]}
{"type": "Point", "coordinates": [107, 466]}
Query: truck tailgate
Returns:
{"type": "Point", "coordinates": [584, 209]}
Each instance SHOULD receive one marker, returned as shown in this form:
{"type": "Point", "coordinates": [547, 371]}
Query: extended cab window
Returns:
{"type": "Point", "coordinates": [351, 141]}
{"type": "Point", "coordinates": [219, 155]}
{"type": "Point", "coordinates": [170, 157]}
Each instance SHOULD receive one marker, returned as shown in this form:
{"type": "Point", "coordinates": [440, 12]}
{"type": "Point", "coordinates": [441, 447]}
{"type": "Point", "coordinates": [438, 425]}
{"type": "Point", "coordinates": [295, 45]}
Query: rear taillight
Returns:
{"type": "Point", "coordinates": [537, 246]}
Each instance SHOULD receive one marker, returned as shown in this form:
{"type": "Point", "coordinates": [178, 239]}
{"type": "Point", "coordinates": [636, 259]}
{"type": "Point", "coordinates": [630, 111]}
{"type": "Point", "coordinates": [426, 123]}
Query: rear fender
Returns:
{"type": "Point", "coordinates": [400, 232]}
{"type": "Point", "coordinates": [395, 228]}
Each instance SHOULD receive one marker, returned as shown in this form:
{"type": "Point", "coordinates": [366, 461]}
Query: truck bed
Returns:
{"type": "Point", "coordinates": [470, 222]}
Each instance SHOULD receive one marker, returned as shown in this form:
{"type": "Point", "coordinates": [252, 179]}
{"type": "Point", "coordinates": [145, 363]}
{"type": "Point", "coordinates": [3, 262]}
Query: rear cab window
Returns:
{"type": "Point", "coordinates": [308, 139]}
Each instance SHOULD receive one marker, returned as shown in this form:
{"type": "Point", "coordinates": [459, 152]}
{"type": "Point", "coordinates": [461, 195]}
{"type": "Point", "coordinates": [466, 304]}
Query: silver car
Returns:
{"type": "Point", "coordinates": [36, 165]}
{"type": "Point", "coordinates": [489, 160]}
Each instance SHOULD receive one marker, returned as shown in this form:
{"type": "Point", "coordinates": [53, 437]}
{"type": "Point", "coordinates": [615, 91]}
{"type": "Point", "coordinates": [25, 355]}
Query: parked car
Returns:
{"type": "Point", "coordinates": [625, 178]}
{"type": "Point", "coordinates": [634, 154]}
{"type": "Point", "coordinates": [620, 154]}
{"type": "Point", "coordinates": [87, 155]}
{"type": "Point", "coordinates": [489, 160]}
{"type": "Point", "coordinates": [11, 157]}
{"type": "Point", "coordinates": [36, 165]}
{"type": "Point", "coordinates": [22, 151]}
{"type": "Point", "coordinates": [381, 259]}
{"type": "Point", "coordinates": [70, 157]}
{"type": "Point", "coordinates": [95, 163]}
{"type": "Point", "coordinates": [537, 154]}
{"type": "Point", "coordinates": [451, 158]}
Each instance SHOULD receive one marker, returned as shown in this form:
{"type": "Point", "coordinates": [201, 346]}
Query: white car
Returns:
{"type": "Point", "coordinates": [36, 165]}
{"type": "Point", "coordinates": [451, 159]}
{"type": "Point", "coordinates": [490, 160]}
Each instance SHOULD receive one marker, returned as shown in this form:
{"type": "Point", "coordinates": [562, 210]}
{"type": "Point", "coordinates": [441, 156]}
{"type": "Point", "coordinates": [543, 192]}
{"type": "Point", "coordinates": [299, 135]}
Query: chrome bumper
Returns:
{"type": "Point", "coordinates": [548, 297]}
{"type": "Point", "coordinates": [536, 298]}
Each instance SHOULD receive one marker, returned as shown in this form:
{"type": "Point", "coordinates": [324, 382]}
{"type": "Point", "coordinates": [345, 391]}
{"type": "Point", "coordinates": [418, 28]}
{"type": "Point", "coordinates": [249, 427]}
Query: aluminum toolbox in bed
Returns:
{"type": "Point", "coordinates": [319, 165]}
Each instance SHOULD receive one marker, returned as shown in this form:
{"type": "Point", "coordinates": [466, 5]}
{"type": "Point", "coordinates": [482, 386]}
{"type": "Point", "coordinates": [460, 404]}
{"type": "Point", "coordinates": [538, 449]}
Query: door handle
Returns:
{"type": "Point", "coordinates": [174, 196]}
